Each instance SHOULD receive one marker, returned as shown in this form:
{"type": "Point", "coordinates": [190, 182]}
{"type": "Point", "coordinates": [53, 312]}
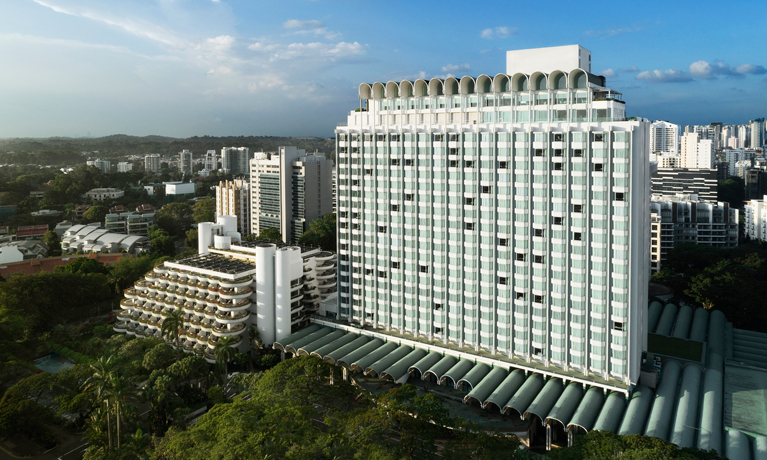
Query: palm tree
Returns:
{"type": "Point", "coordinates": [101, 383]}
{"type": "Point", "coordinates": [225, 352]}
{"type": "Point", "coordinates": [171, 326]}
{"type": "Point", "coordinates": [256, 345]}
{"type": "Point", "coordinates": [119, 391]}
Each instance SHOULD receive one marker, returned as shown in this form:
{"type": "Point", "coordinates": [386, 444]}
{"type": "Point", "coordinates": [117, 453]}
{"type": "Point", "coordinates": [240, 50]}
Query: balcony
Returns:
{"type": "Point", "coordinates": [127, 304]}
{"type": "Point", "coordinates": [232, 317]}
{"type": "Point", "coordinates": [232, 293]}
{"type": "Point", "coordinates": [121, 327]}
{"type": "Point", "coordinates": [234, 305]}
{"type": "Point", "coordinates": [238, 283]}
{"type": "Point", "coordinates": [220, 331]}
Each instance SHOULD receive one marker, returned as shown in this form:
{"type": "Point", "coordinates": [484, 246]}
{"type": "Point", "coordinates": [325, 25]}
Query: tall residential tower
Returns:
{"type": "Point", "coordinates": [505, 216]}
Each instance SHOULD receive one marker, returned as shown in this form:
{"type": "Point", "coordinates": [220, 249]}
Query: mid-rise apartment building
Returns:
{"type": "Point", "coordinates": [664, 138]}
{"type": "Point", "coordinates": [124, 166]}
{"type": "Point", "coordinates": [227, 288]}
{"type": "Point", "coordinates": [700, 182]}
{"type": "Point", "coordinates": [501, 215]}
{"type": "Point", "coordinates": [152, 163]}
{"type": "Point", "coordinates": [103, 194]}
{"type": "Point", "coordinates": [233, 199]}
{"type": "Point", "coordinates": [289, 189]}
{"type": "Point", "coordinates": [683, 219]}
{"type": "Point", "coordinates": [234, 160]}
{"type": "Point", "coordinates": [185, 161]}
{"type": "Point", "coordinates": [757, 133]}
{"type": "Point", "coordinates": [755, 217]}
{"type": "Point", "coordinates": [696, 153]}
{"type": "Point", "coordinates": [104, 165]}
{"type": "Point", "coordinates": [130, 223]}
{"type": "Point", "coordinates": [733, 156]}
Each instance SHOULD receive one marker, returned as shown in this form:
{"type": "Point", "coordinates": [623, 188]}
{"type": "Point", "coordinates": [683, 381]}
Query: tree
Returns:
{"type": "Point", "coordinates": [269, 234]}
{"type": "Point", "coordinates": [162, 243]}
{"type": "Point", "coordinates": [322, 233]}
{"type": "Point", "coordinates": [225, 352]}
{"type": "Point", "coordinates": [732, 190]}
{"type": "Point", "coordinates": [83, 266]}
{"type": "Point", "coordinates": [171, 326]}
{"type": "Point", "coordinates": [204, 210]}
{"type": "Point", "coordinates": [101, 383]}
{"type": "Point", "coordinates": [51, 238]}
{"type": "Point", "coordinates": [256, 345]}
{"type": "Point", "coordinates": [605, 445]}
{"type": "Point", "coordinates": [175, 218]}
{"type": "Point", "coordinates": [95, 214]}
{"type": "Point", "coordinates": [159, 357]}
{"type": "Point", "coordinates": [191, 239]}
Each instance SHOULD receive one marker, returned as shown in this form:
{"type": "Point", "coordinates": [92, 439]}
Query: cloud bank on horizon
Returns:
{"type": "Point", "coordinates": [293, 67]}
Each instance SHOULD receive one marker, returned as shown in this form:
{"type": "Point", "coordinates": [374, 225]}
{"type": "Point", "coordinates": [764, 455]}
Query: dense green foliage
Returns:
{"type": "Point", "coordinates": [731, 280]}
{"type": "Point", "coordinates": [605, 445]}
{"type": "Point", "coordinates": [732, 190]}
{"type": "Point", "coordinates": [292, 412]}
{"type": "Point", "coordinates": [204, 210]}
{"type": "Point", "coordinates": [322, 233]}
{"type": "Point", "coordinates": [175, 218]}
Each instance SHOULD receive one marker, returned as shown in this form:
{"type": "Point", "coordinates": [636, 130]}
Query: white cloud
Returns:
{"type": "Point", "coordinates": [296, 24]}
{"type": "Point", "coordinates": [610, 73]}
{"type": "Point", "coordinates": [701, 70]}
{"type": "Point", "coordinates": [309, 51]}
{"type": "Point", "coordinates": [665, 76]}
{"type": "Point", "coordinates": [455, 68]}
{"type": "Point", "coordinates": [611, 32]}
{"type": "Point", "coordinates": [632, 69]}
{"type": "Point", "coordinates": [498, 32]}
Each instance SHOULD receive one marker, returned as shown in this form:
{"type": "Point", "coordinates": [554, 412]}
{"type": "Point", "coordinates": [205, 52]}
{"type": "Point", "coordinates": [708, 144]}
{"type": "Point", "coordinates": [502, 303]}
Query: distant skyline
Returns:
{"type": "Point", "coordinates": [182, 68]}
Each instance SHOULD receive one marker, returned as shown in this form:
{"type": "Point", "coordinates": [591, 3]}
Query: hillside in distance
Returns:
{"type": "Point", "coordinates": [55, 151]}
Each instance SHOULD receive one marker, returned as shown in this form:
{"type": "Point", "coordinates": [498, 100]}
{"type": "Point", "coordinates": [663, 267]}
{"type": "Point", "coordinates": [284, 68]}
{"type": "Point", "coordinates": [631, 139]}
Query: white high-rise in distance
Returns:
{"type": "Point", "coordinates": [503, 216]}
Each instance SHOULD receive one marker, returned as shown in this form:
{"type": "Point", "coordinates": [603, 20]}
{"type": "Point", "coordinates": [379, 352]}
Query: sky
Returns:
{"type": "Point", "coordinates": [292, 67]}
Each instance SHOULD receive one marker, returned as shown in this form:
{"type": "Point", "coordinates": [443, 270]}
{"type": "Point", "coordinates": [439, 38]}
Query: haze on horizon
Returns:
{"type": "Point", "coordinates": [182, 68]}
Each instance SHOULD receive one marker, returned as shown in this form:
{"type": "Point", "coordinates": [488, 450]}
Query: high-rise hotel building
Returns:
{"type": "Point", "coordinates": [503, 215]}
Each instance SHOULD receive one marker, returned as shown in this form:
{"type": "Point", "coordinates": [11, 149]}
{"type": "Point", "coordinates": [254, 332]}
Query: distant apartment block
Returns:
{"type": "Point", "coordinates": [664, 138]}
{"type": "Point", "coordinates": [757, 133]}
{"type": "Point", "coordinates": [733, 156]}
{"type": "Point", "coordinates": [93, 238]}
{"type": "Point", "coordinates": [124, 166]}
{"type": "Point", "coordinates": [234, 160]}
{"type": "Point", "coordinates": [104, 165]}
{"type": "Point", "coordinates": [152, 163]}
{"type": "Point", "coordinates": [185, 161]}
{"type": "Point", "coordinates": [217, 291]}
{"type": "Point", "coordinates": [289, 189]}
{"type": "Point", "coordinates": [696, 152]}
{"type": "Point", "coordinates": [103, 194]}
{"type": "Point", "coordinates": [233, 199]}
{"type": "Point", "coordinates": [755, 217]}
{"type": "Point", "coordinates": [130, 223]}
{"type": "Point", "coordinates": [700, 182]}
{"type": "Point", "coordinates": [683, 219]}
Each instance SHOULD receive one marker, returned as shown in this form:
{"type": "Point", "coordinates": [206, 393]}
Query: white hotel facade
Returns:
{"type": "Point", "coordinates": [505, 216]}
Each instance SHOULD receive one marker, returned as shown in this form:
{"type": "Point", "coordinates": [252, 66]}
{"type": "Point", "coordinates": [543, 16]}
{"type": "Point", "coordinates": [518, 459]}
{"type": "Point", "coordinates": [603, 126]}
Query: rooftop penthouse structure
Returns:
{"type": "Point", "coordinates": [500, 216]}
{"type": "Point", "coordinates": [229, 287]}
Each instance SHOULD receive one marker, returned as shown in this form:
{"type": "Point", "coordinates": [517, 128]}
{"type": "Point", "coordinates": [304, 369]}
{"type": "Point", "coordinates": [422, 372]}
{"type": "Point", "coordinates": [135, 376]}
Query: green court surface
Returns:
{"type": "Point", "coordinates": [745, 399]}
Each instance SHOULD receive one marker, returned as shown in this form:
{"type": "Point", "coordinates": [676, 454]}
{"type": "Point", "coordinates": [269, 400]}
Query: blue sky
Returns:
{"type": "Point", "coordinates": [292, 67]}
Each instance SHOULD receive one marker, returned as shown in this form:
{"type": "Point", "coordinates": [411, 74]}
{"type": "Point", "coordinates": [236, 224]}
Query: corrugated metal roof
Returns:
{"type": "Point", "coordinates": [545, 400]}
{"type": "Point", "coordinates": [612, 413]}
{"type": "Point", "coordinates": [356, 344]}
{"type": "Point", "coordinates": [332, 346]}
{"type": "Point", "coordinates": [363, 363]}
{"type": "Point", "coordinates": [485, 388]}
{"type": "Point", "coordinates": [457, 372]}
{"type": "Point", "coordinates": [737, 446]}
{"type": "Point", "coordinates": [636, 413]}
{"type": "Point", "coordinates": [361, 352]}
{"type": "Point", "coordinates": [665, 398]}
{"type": "Point", "coordinates": [710, 422]}
{"type": "Point", "coordinates": [666, 321]}
{"type": "Point", "coordinates": [588, 410]}
{"type": "Point", "coordinates": [304, 350]}
{"type": "Point", "coordinates": [503, 392]}
{"type": "Point", "coordinates": [474, 376]}
{"type": "Point", "coordinates": [699, 325]}
{"type": "Point", "coordinates": [686, 414]}
{"type": "Point", "coordinates": [526, 394]}
{"type": "Point", "coordinates": [442, 366]}
{"type": "Point", "coordinates": [566, 405]}
{"type": "Point", "coordinates": [387, 360]}
{"type": "Point", "coordinates": [682, 323]}
{"type": "Point", "coordinates": [280, 345]}
{"type": "Point", "coordinates": [425, 363]}
{"type": "Point", "coordinates": [653, 315]}
{"type": "Point", "coordinates": [399, 369]}
{"type": "Point", "coordinates": [293, 346]}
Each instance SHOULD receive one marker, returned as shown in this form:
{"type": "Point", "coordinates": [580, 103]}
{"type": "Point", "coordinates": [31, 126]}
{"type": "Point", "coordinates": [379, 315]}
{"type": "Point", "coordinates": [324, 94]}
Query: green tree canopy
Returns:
{"type": "Point", "coordinates": [175, 218]}
{"type": "Point", "coordinates": [204, 210]}
{"type": "Point", "coordinates": [322, 233]}
{"type": "Point", "coordinates": [95, 214]}
{"type": "Point", "coordinates": [83, 266]}
{"type": "Point", "coordinates": [162, 243]}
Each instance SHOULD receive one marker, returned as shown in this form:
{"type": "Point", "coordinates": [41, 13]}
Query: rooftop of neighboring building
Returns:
{"type": "Point", "coordinates": [30, 230]}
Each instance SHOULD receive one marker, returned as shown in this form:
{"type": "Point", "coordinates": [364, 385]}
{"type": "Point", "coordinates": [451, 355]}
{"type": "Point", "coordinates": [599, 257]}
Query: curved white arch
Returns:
{"type": "Point", "coordinates": [484, 84]}
{"type": "Point", "coordinates": [468, 85]}
{"type": "Point", "coordinates": [378, 90]}
{"type": "Point", "coordinates": [574, 79]}
{"type": "Point", "coordinates": [421, 88]}
{"type": "Point", "coordinates": [365, 91]}
{"type": "Point", "coordinates": [392, 89]}
{"type": "Point", "coordinates": [406, 88]}
{"type": "Point", "coordinates": [519, 82]}
{"type": "Point", "coordinates": [557, 80]}
{"type": "Point", "coordinates": [501, 83]}
{"type": "Point", "coordinates": [436, 87]}
{"type": "Point", "coordinates": [538, 81]}
{"type": "Point", "coordinates": [451, 86]}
